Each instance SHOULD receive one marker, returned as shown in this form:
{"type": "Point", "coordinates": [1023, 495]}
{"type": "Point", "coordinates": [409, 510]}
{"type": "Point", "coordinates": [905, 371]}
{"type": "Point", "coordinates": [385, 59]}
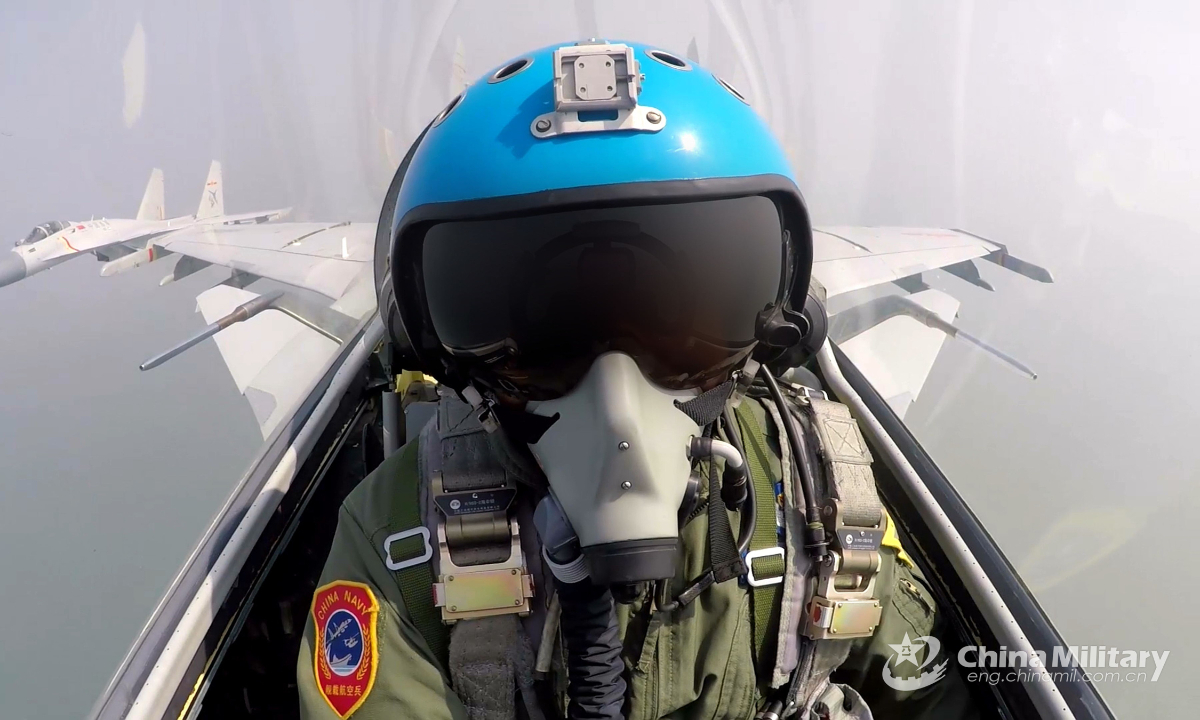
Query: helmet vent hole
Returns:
{"type": "Point", "coordinates": [510, 69]}
{"type": "Point", "coordinates": [448, 109]}
{"type": "Point", "coordinates": [668, 59]}
{"type": "Point", "coordinates": [732, 90]}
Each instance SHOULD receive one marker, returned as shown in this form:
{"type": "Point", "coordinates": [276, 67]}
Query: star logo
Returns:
{"type": "Point", "coordinates": [907, 651]}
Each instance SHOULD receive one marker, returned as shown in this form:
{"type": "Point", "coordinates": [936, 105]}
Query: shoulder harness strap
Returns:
{"type": "Point", "coordinates": [413, 573]}
{"type": "Point", "coordinates": [854, 518]}
{"type": "Point", "coordinates": [466, 483]}
{"type": "Point", "coordinates": [765, 561]}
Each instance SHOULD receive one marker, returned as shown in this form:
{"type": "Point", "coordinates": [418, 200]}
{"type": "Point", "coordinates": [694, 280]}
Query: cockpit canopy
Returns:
{"type": "Point", "coordinates": [43, 231]}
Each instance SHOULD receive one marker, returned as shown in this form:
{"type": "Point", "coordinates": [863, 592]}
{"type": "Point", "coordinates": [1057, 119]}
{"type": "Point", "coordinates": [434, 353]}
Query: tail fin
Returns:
{"type": "Point", "coordinates": [458, 69]}
{"type": "Point", "coordinates": [212, 202]}
{"type": "Point", "coordinates": [153, 207]}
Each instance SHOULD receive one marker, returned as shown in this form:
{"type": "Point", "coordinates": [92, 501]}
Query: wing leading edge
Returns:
{"type": "Point", "coordinates": [846, 259]}
{"type": "Point", "coordinates": [326, 258]}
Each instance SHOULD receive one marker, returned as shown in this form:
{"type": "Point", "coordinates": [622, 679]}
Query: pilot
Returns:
{"type": "Point", "coordinates": [623, 507]}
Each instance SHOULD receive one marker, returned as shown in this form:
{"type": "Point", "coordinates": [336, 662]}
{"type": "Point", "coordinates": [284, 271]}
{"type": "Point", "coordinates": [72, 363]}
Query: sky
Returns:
{"type": "Point", "coordinates": [1064, 130]}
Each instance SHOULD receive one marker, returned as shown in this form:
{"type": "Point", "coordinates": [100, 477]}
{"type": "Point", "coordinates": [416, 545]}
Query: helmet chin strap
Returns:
{"type": "Point", "coordinates": [521, 426]}
{"type": "Point", "coordinates": [485, 407]}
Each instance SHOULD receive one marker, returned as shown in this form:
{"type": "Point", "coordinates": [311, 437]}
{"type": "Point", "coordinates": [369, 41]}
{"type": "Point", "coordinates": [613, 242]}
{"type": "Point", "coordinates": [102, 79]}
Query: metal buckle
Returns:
{"type": "Point", "coordinates": [804, 392]}
{"type": "Point", "coordinates": [476, 591]}
{"type": "Point", "coordinates": [844, 618]}
{"type": "Point", "coordinates": [763, 552]}
{"type": "Point", "coordinates": [424, 557]}
{"type": "Point", "coordinates": [844, 603]}
{"type": "Point", "coordinates": [810, 393]}
{"type": "Point", "coordinates": [742, 380]}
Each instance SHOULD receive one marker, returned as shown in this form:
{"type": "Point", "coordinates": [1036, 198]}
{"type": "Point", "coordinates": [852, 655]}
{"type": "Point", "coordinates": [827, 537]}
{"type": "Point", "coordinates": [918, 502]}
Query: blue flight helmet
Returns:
{"type": "Point", "coordinates": [585, 198]}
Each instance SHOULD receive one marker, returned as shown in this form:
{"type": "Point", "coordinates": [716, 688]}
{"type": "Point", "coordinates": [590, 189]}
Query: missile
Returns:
{"type": "Point", "coordinates": [133, 260]}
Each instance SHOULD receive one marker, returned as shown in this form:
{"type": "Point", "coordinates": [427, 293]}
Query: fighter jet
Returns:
{"type": "Point", "coordinates": [296, 325]}
{"type": "Point", "coordinates": [121, 244]}
{"type": "Point", "coordinates": [312, 361]}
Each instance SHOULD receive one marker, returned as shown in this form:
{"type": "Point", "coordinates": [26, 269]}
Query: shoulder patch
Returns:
{"type": "Point", "coordinates": [345, 657]}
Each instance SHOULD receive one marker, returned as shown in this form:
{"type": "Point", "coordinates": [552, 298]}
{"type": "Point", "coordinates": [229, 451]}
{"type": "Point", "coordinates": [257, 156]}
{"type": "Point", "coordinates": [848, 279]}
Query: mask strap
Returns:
{"type": "Point", "coordinates": [722, 549]}
{"type": "Point", "coordinates": [706, 407]}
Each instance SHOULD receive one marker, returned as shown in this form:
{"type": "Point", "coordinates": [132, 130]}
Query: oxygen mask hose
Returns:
{"type": "Point", "coordinates": [740, 489]}
{"type": "Point", "coordinates": [735, 469]}
{"type": "Point", "coordinates": [595, 670]}
{"type": "Point", "coordinates": [815, 539]}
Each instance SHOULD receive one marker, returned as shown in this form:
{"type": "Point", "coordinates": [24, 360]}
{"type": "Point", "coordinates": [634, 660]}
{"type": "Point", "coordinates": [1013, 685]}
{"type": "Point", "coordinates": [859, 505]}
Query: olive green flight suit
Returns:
{"type": "Point", "coordinates": [694, 662]}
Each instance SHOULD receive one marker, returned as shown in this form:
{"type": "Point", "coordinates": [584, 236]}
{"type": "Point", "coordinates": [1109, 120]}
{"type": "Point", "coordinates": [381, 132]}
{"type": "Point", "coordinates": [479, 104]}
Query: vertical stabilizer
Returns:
{"type": "Point", "coordinates": [458, 70]}
{"type": "Point", "coordinates": [153, 207]}
{"type": "Point", "coordinates": [212, 202]}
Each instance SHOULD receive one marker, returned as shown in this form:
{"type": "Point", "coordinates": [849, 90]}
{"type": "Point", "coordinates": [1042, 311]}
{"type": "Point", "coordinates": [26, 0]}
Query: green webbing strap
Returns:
{"type": "Point", "coordinates": [416, 581]}
{"type": "Point", "coordinates": [765, 598]}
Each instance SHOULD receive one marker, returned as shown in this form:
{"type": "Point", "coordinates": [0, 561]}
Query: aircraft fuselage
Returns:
{"type": "Point", "coordinates": [83, 237]}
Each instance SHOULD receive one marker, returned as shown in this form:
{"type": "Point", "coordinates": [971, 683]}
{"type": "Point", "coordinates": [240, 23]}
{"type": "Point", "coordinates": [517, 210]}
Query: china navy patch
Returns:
{"type": "Point", "coordinates": [345, 659]}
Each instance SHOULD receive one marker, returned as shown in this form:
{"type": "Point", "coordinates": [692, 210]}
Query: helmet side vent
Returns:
{"type": "Point", "coordinates": [732, 90]}
{"type": "Point", "coordinates": [448, 109]}
{"type": "Point", "coordinates": [514, 67]}
{"type": "Point", "coordinates": [666, 58]}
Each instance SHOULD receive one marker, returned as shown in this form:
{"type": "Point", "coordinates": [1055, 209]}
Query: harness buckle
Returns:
{"type": "Point", "coordinates": [473, 518]}
{"type": "Point", "coordinates": [763, 552]}
{"type": "Point", "coordinates": [845, 605]}
{"type": "Point", "coordinates": [403, 534]}
{"type": "Point", "coordinates": [476, 591]}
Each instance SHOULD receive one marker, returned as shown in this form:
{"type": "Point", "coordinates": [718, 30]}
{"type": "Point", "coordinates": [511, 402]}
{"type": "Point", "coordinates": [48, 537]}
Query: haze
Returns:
{"type": "Point", "coordinates": [1066, 131]}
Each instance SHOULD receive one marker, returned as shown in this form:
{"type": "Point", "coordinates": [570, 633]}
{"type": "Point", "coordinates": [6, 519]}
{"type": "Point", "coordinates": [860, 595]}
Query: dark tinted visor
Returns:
{"type": "Point", "coordinates": [536, 298]}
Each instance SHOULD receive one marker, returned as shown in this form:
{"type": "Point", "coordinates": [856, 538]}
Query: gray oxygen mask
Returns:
{"type": "Point", "coordinates": [618, 465]}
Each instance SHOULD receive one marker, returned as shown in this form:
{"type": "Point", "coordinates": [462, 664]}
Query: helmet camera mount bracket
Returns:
{"type": "Point", "coordinates": [596, 86]}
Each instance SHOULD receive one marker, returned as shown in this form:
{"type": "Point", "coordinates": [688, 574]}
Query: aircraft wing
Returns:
{"type": "Point", "coordinates": [269, 356]}
{"type": "Point", "coordinates": [853, 258]}
{"type": "Point", "coordinates": [326, 258]}
{"type": "Point", "coordinates": [894, 340]}
{"type": "Point", "coordinates": [273, 351]}
{"type": "Point", "coordinates": [896, 354]}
